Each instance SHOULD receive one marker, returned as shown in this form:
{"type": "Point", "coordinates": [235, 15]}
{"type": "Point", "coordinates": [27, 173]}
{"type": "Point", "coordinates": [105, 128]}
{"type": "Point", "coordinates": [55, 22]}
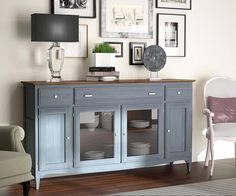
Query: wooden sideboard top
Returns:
{"type": "Point", "coordinates": [71, 82]}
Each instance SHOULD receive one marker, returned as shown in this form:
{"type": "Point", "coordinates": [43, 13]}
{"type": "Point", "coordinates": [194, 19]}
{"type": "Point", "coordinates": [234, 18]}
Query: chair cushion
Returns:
{"type": "Point", "coordinates": [14, 163]}
{"type": "Point", "coordinates": [224, 109]}
{"type": "Point", "coordinates": [225, 131]}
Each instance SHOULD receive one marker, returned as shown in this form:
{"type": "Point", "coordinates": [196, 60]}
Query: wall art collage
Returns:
{"type": "Point", "coordinates": [129, 19]}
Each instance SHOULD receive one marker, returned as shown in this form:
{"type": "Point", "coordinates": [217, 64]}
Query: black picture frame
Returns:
{"type": "Point", "coordinates": [172, 5]}
{"type": "Point", "coordinates": [136, 50]}
{"type": "Point", "coordinates": [174, 46]}
{"type": "Point", "coordinates": [117, 46]}
{"type": "Point", "coordinates": [74, 10]}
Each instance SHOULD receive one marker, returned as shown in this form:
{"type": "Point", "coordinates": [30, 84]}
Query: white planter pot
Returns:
{"type": "Point", "coordinates": [103, 60]}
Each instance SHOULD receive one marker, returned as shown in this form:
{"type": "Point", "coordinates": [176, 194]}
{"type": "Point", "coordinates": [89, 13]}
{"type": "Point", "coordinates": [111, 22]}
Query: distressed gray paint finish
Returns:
{"type": "Point", "coordinates": [49, 120]}
{"type": "Point", "coordinates": [177, 133]}
{"type": "Point", "coordinates": [55, 139]}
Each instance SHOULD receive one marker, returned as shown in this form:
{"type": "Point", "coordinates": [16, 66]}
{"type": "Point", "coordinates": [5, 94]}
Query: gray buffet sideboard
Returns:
{"type": "Point", "coordinates": [77, 127]}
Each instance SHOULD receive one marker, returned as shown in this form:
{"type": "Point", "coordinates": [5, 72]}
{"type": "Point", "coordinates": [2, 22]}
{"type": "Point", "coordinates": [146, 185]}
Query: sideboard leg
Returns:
{"type": "Point", "coordinates": [171, 164]}
{"type": "Point", "coordinates": [37, 183]}
{"type": "Point", "coordinates": [188, 166]}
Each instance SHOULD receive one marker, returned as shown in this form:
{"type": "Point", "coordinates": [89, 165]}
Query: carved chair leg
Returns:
{"type": "Point", "coordinates": [212, 156]}
{"type": "Point", "coordinates": [26, 188]}
{"type": "Point", "coordinates": [207, 154]}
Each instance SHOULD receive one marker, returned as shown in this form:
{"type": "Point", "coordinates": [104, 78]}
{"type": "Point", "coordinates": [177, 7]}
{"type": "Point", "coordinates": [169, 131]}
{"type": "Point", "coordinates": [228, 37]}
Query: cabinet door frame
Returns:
{"type": "Point", "coordinates": [116, 136]}
{"type": "Point", "coordinates": [142, 158]}
{"type": "Point", "coordinates": [186, 142]}
{"type": "Point", "coordinates": [68, 139]}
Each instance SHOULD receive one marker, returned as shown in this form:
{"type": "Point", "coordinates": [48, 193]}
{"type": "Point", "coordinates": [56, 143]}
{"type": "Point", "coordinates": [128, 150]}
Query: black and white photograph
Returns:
{"type": "Point", "coordinates": [117, 47]}
{"type": "Point", "coordinates": [171, 34]}
{"type": "Point", "coordinates": [136, 52]}
{"type": "Point", "coordinates": [83, 8]}
{"type": "Point", "coordinates": [174, 4]}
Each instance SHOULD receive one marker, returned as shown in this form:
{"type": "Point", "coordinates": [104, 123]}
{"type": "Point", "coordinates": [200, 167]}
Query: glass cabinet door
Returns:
{"type": "Point", "coordinates": [97, 135]}
{"type": "Point", "coordinates": [142, 132]}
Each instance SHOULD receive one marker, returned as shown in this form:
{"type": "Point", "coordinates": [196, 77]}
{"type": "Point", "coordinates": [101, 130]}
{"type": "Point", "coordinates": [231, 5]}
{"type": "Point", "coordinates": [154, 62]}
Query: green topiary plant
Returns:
{"type": "Point", "coordinates": [103, 48]}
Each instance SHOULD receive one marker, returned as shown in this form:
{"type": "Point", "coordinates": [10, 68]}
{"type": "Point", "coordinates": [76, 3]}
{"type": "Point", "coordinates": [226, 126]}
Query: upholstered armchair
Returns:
{"type": "Point", "coordinates": [15, 164]}
{"type": "Point", "coordinates": [220, 110]}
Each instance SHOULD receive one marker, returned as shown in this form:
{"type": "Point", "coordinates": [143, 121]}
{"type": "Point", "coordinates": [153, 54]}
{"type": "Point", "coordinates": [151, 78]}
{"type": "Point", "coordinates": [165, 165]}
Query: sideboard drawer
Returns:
{"type": "Point", "coordinates": [55, 96]}
{"type": "Point", "coordinates": [178, 92]}
{"type": "Point", "coordinates": [86, 94]}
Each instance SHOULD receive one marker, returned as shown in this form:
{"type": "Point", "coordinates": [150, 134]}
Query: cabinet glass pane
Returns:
{"type": "Point", "coordinates": [96, 135]}
{"type": "Point", "coordinates": [142, 132]}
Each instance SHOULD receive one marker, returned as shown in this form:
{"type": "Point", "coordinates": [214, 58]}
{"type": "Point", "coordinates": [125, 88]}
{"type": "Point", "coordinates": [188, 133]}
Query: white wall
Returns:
{"type": "Point", "coordinates": [211, 30]}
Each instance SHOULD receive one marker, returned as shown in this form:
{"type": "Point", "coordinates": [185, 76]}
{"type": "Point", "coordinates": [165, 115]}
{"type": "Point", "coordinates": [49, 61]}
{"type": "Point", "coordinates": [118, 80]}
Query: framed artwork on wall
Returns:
{"type": "Point", "coordinates": [83, 8]}
{"type": "Point", "coordinates": [117, 47]}
{"type": "Point", "coordinates": [126, 19]}
{"type": "Point", "coordinates": [136, 50]}
{"type": "Point", "coordinates": [171, 34]}
{"type": "Point", "coordinates": [174, 4]}
{"type": "Point", "coordinates": [78, 49]}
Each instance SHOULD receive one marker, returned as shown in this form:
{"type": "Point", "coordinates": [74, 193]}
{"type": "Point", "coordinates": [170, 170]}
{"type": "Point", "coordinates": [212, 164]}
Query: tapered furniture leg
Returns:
{"type": "Point", "coordinates": [212, 156]}
{"type": "Point", "coordinates": [171, 164]}
{"type": "Point", "coordinates": [26, 188]}
{"type": "Point", "coordinates": [207, 154]}
{"type": "Point", "coordinates": [188, 166]}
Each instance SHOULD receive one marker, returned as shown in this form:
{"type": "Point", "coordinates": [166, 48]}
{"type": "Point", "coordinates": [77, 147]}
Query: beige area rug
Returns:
{"type": "Point", "coordinates": [225, 187]}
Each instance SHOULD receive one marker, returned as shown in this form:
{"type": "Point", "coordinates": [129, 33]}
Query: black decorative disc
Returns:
{"type": "Point", "coordinates": [154, 58]}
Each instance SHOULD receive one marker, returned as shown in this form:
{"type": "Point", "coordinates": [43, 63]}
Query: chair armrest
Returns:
{"type": "Point", "coordinates": [11, 137]}
{"type": "Point", "coordinates": [208, 113]}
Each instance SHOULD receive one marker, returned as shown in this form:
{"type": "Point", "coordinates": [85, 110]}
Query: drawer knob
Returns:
{"type": "Point", "coordinates": [55, 96]}
{"type": "Point", "coordinates": [151, 94]}
{"type": "Point", "coordinates": [88, 95]}
{"type": "Point", "coordinates": [124, 134]}
{"type": "Point", "coordinates": [168, 130]}
{"type": "Point", "coordinates": [179, 93]}
{"type": "Point", "coordinates": [68, 138]}
{"type": "Point", "coordinates": [116, 134]}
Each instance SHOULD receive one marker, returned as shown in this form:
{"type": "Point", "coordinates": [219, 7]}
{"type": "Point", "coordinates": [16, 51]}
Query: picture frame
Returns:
{"type": "Point", "coordinates": [171, 34]}
{"type": "Point", "coordinates": [118, 47]}
{"type": "Point", "coordinates": [136, 50]}
{"type": "Point", "coordinates": [126, 19]}
{"type": "Point", "coordinates": [82, 8]}
{"type": "Point", "coordinates": [78, 49]}
{"type": "Point", "coordinates": [174, 4]}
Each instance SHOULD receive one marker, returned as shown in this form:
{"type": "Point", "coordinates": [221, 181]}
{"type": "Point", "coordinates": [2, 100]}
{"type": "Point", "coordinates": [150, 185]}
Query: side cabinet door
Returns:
{"type": "Point", "coordinates": [178, 131]}
{"type": "Point", "coordinates": [55, 138]}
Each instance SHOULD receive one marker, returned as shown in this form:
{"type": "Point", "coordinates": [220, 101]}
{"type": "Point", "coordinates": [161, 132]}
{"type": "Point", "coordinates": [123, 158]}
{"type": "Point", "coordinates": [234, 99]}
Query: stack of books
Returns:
{"type": "Point", "coordinates": [102, 74]}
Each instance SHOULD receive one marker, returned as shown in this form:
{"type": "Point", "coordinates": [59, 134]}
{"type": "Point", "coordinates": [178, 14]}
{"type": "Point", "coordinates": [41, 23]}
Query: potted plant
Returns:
{"type": "Point", "coordinates": [104, 55]}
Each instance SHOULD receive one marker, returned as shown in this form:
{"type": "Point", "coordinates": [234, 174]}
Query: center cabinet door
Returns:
{"type": "Point", "coordinates": [97, 135]}
{"type": "Point", "coordinates": [142, 132]}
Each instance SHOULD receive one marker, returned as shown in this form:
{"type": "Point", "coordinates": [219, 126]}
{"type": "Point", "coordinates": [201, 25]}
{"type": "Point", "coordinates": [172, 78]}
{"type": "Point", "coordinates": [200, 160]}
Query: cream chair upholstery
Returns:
{"type": "Point", "coordinates": [15, 164]}
{"type": "Point", "coordinates": [223, 88]}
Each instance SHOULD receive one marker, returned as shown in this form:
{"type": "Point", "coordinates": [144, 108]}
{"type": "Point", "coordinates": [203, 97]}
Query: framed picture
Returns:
{"type": "Point", "coordinates": [136, 52]}
{"type": "Point", "coordinates": [174, 4]}
{"type": "Point", "coordinates": [171, 34]}
{"type": "Point", "coordinates": [78, 49]}
{"type": "Point", "coordinates": [83, 8]}
{"type": "Point", "coordinates": [117, 47]}
{"type": "Point", "coordinates": [126, 19]}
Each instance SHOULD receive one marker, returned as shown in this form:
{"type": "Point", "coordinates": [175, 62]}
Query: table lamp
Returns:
{"type": "Point", "coordinates": [55, 28]}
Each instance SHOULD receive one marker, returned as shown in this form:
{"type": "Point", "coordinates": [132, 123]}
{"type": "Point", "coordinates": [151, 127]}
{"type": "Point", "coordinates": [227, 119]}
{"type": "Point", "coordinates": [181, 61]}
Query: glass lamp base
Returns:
{"type": "Point", "coordinates": [55, 61]}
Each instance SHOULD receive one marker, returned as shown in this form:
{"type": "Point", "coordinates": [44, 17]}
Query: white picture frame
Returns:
{"type": "Point", "coordinates": [171, 34]}
{"type": "Point", "coordinates": [174, 4]}
{"type": "Point", "coordinates": [78, 49]}
{"type": "Point", "coordinates": [126, 19]}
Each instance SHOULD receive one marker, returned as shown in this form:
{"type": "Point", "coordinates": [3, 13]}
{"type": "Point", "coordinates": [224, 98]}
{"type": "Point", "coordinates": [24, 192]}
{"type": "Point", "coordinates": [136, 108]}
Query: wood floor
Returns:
{"type": "Point", "coordinates": [129, 180]}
